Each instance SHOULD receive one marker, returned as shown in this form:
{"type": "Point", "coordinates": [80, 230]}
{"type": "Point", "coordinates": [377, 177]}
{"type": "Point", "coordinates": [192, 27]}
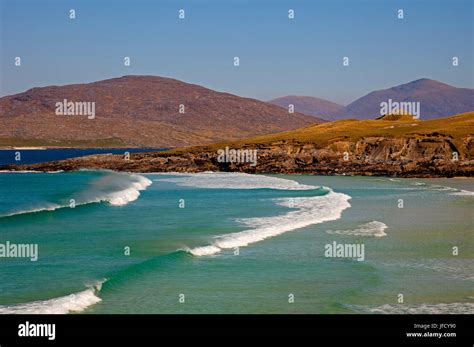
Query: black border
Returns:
{"type": "Point", "coordinates": [79, 328]}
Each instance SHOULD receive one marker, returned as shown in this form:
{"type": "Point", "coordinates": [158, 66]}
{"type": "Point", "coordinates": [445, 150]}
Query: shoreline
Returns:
{"type": "Point", "coordinates": [166, 162]}
{"type": "Point", "coordinates": [249, 173]}
{"type": "Point", "coordinates": [271, 162]}
{"type": "Point", "coordinates": [260, 173]}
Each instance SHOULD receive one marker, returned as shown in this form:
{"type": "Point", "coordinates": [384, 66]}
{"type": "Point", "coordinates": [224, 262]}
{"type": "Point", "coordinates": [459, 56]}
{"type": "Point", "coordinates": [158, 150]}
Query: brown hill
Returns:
{"type": "Point", "coordinates": [138, 111]}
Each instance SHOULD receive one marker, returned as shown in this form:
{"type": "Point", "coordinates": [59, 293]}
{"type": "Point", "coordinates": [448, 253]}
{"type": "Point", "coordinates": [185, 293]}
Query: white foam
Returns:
{"type": "Point", "coordinates": [203, 251]}
{"type": "Point", "coordinates": [45, 207]}
{"type": "Point", "coordinates": [309, 211]}
{"type": "Point", "coordinates": [232, 180]}
{"type": "Point", "coordinates": [463, 192]}
{"type": "Point", "coordinates": [129, 194]}
{"type": "Point", "coordinates": [77, 302]}
{"type": "Point", "coordinates": [117, 189]}
{"type": "Point", "coordinates": [373, 228]}
{"type": "Point", "coordinates": [425, 308]}
{"type": "Point", "coordinates": [305, 210]}
{"type": "Point", "coordinates": [452, 191]}
{"type": "Point", "coordinates": [441, 188]}
{"type": "Point", "coordinates": [126, 188]}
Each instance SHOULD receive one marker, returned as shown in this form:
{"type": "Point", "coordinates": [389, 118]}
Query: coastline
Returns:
{"type": "Point", "coordinates": [436, 148]}
{"type": "Point", "coordinates": [192, 162]}
{"type": "Point", "coordinates": [260, 173]}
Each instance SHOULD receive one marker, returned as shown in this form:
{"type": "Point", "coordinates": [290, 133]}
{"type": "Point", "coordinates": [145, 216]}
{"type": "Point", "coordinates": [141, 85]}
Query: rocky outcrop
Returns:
{"type": "Point", "coordinates": [420, 156]}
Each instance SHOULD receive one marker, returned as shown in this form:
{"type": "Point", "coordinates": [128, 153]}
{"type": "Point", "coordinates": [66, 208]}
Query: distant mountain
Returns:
{"type": "Point", "coordinates": [138, 111]}
{"type": "Point", "coordinates": [309, 105]}
{"type": "Point", "coordinates": [436, 100]}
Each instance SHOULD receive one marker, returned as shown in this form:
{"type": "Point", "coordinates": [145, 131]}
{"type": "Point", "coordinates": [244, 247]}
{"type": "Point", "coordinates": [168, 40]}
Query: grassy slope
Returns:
{"type": "Point", "coordinates": [458, 127]}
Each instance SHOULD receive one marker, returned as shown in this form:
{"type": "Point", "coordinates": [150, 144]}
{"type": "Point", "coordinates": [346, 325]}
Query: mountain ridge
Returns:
{"type": "Point", "coordinates": [436, 100]}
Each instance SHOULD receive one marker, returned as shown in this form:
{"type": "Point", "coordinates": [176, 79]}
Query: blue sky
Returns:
{"type": "Point", "coordinates": [278, 56]}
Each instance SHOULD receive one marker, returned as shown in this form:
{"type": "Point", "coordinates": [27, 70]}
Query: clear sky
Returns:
{"type": "Point", "coordinates": [278, 56]}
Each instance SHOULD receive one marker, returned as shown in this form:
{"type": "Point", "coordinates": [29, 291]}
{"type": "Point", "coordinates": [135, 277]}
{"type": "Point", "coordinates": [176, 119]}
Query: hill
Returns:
{"type": "Point", "coordinates": [138, 111]}
{"type": "Point", "coordinates": [436, 100]}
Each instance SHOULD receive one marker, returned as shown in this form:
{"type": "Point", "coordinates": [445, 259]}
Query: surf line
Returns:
{"type": "Point", "coordinates": [308, 211]}
{"type": "Point", "coordinates": [76, 302]}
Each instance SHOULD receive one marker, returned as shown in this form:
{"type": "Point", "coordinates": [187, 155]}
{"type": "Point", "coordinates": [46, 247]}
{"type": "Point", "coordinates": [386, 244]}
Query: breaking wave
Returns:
{"type": "Point", "coordinates": [310, 210]}
{"type": "Point", "coordinates": [117, 189]}
{"type": "Point", "coordinates": [327, 205]}
{"type": "Point", "coordinates": [77, 302]}
{"type": "Point", "coordinates": [463, 192]}
{"type": "Point", "coordinates": [231, 180]}
{"type": "Point", "coordinates": [441, 188]}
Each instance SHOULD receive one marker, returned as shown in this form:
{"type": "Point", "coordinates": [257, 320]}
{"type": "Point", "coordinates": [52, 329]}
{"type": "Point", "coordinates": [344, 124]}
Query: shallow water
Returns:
{"type": "Point", "coordinates": [235, 243]}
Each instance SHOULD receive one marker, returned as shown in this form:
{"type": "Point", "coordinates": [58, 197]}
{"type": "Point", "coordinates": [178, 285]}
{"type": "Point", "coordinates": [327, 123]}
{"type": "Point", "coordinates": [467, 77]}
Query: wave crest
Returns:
{"type": "Point", "coordinates": [129, 194]}
{"type": "Point", "coordinates": [77, 302]}
{"type": "Point", "coordinates": [306, 210]}
{"type": "Point", "coordinates": [117, 189]}
{"type": "Point", "coordinates": [309, 211]}
{"type": "Point", "coordinates": [231, 180]}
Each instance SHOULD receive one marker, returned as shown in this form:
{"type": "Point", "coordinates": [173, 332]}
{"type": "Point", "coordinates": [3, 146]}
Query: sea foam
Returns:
{"type": "Point", "coordinates": [117, 189]}
{"type": "Point", "coordinates": [77, 302]}
{"type": "Point", "coordinates": [373, 228]}
{"type": "Point", "coordinates": [423, 308]}
{"type": "Point", "coordinates": [232, 180]}
{"type": "Point", "coordinates": [305, 211]}
{"type": "Point", "coordinates": [128, 194]}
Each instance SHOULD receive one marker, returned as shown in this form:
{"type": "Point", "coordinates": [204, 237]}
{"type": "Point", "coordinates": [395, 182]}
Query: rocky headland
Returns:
{"type": "Point", "coordinates": [403, 148]}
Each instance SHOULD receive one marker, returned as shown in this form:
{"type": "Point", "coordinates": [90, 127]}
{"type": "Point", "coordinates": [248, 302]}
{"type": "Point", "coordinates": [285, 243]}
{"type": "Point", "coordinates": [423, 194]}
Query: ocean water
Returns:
{"type": "Point", "coordinates": [235, 243]}
{"type": "Point", "coordinates": [33, 156]}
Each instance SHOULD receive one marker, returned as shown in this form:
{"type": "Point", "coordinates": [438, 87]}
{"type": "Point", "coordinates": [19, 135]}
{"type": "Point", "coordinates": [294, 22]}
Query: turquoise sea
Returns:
{"type": "Point", "coordinates": [235, 243]}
